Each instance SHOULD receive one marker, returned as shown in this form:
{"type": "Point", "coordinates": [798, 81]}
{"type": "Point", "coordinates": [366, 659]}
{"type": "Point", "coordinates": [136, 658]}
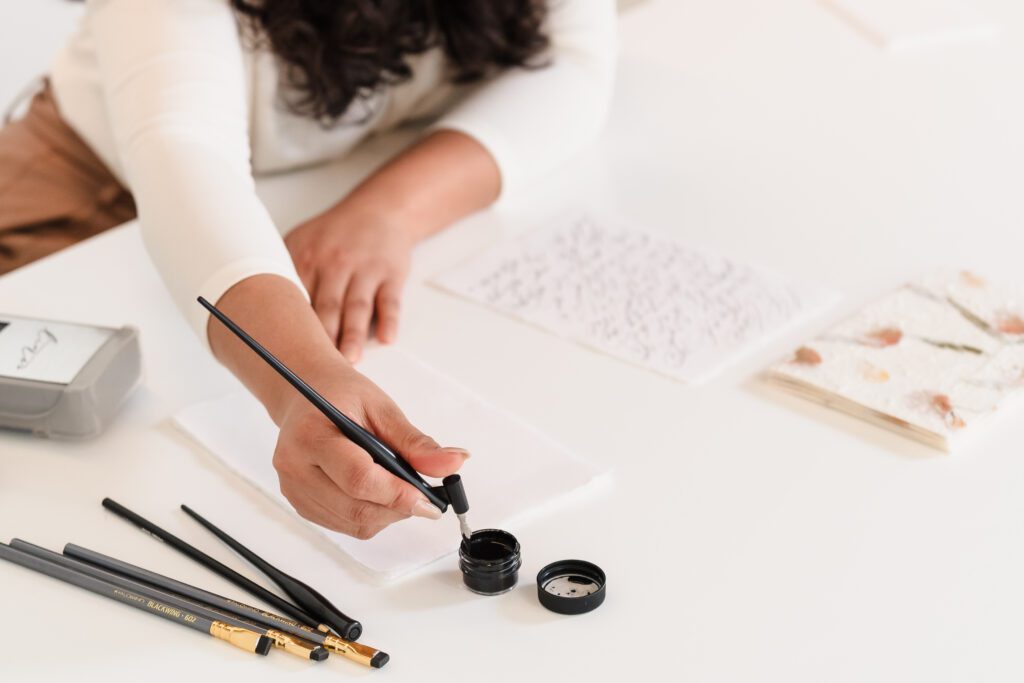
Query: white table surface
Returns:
{"type": "Point", "coordinates": [747, 536]}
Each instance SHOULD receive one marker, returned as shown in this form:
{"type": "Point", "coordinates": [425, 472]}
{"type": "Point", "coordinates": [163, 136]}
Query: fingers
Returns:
{"type": "Point", "coordinates": [327, 300]}
{"type": "Point", "coordinates": [353, 471]}
{"type": "Point", "coordinates": [437, 462]}
{"type": "Point", "coordinates": [354, 518]}
{"type": "Point", "coordinates": [358, 312]}
{"type": "Point", "coordinates": [388, 304]}
{"type": "Point", "coordinates": [317, 498]}
{"type": "Point", "coordinates": [422, 452]}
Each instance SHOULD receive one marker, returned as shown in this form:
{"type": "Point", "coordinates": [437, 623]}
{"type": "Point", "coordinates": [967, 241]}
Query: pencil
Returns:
{"type": "Point", "coordinates": [243, 638]}
{"type": "Point", "coordinates": [362, 654]}
{"type": "Point", "coordinates": [173, 601]}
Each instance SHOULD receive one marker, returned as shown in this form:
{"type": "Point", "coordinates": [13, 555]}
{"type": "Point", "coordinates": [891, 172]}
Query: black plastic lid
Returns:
{"type": "Point", "coordinates": [571, 586]}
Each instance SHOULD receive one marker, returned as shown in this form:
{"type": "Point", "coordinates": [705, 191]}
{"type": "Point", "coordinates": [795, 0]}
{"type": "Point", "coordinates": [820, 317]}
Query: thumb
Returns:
{"type": "Point", "coordinates": [421, 451]}
{"type": "Point", "coordinates": [436, 461]}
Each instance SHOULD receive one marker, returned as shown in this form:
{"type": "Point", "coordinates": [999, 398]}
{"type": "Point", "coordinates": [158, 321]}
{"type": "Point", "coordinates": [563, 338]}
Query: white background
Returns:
{"type": "Point", "coordinates": [747, 536]}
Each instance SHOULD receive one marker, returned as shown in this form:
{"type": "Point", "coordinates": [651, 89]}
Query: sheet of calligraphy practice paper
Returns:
{"type": "Point", "coordinates": [635, 295]}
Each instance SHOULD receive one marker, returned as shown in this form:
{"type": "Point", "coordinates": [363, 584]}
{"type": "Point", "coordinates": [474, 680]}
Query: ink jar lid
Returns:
{"type": "Point", "coordinates": [571, 586]}
{"type": "Point", "coordinates": [490, 561]}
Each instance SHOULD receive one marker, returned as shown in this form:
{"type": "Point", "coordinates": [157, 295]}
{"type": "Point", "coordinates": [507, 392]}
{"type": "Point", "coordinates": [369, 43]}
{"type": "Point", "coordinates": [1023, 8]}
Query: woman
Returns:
{"type": "Point", "coordinates": [170, 106]}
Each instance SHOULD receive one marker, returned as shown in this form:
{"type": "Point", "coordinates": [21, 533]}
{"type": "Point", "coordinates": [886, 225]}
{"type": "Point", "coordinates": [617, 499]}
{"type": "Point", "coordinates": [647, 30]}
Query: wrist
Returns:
{"type": "Point", "coordinates": [276, 314]}
{"type": "Point", "coordinates": [364, 207]}
{"type": "Point", "coordinates": [319, 370]}
{"type": "Point", "coordinates": [444, 177]}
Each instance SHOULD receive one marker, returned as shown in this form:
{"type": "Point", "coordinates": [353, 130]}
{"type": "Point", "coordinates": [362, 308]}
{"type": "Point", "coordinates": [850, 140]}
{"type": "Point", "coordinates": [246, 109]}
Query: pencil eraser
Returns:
{"type": "Point", "coordinates": [263, 645]}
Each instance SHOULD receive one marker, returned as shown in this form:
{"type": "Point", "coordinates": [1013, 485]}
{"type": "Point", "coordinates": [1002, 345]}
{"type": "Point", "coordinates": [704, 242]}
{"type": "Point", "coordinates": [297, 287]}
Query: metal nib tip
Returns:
{"type": "Point", "coordinates": [464, 526]}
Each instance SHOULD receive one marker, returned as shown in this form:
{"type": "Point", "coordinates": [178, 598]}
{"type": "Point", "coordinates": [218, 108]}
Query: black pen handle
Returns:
{"type": "Point", "coordinates": [305, 596]}
{"type": "Point", "coordinates": [381, 453]}
{"type": "Point", "coordinates": [210, 563]}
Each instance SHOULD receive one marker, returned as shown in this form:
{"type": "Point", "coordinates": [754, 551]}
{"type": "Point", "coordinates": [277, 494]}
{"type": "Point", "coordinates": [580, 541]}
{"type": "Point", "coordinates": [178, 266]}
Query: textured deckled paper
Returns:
{"type": "Point", "coordinates": [900, 25]}
{"type": "Point", "coordinates": [930, 361]}
{"type": "Point", "coordinates": [515, 472]}
{"type": "Point", "coordinates": [636, 295]}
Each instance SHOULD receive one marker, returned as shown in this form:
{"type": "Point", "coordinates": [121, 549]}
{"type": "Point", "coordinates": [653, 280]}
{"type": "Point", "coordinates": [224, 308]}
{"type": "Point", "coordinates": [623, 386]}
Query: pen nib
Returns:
{"type": "Point", "coordinates": [464, 525]}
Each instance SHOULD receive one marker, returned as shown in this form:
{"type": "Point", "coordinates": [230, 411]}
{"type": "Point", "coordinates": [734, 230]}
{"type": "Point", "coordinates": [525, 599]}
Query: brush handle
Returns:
{"type": "Point", "coordinates": [210, 563]}
{"type": "Point", "coordinates": [354, 432]}
{"type": "Point", "coordinates": [304, 595]}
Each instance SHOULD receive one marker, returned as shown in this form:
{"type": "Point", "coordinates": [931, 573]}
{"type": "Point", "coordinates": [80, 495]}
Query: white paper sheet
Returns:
{"type": "Point", "coordinates": [638, 296]}
{"type": "Point", "coordinates": [515, 472]}
{"type": "Point", "coordinates": [900, 25]}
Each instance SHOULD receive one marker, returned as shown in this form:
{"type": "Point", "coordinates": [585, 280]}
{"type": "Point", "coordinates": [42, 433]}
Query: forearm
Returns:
{"type": "Point", "coordinates": [275, 313]}
{"type": "Point", "coordinates": [442, 178]}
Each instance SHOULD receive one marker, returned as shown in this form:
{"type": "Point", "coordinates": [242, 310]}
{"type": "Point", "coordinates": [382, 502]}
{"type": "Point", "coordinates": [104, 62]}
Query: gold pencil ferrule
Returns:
{"type": "Point", "coordinates": [291, 644]}
{"type": "Point", "coordinates": [357, 653]}
{"type": "Point", "coordinates": [236, 635]}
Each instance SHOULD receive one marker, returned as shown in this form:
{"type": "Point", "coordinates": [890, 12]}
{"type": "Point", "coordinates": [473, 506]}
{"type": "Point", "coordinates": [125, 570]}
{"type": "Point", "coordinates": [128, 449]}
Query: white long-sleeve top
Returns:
{"type": "Point", "coordinates": [184, 111]}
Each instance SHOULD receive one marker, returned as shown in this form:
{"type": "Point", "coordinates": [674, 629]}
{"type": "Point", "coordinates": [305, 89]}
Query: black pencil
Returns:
{"type": "Point", "coordinates": [210, 563]}
{"type": "Point", "coordinates": [243, 638]}
{"type": "Point", "coordinates": [362, 654]}
{"type": "Point", "coordinates": [306, 597]}
{"type": "Point", "coordinates": [382, 454]}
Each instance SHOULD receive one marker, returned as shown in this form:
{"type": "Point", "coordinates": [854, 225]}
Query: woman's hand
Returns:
{"type": "Point", "coordinates": [327, 478]}
{"type": "Point", "coordinates": [353, 262]}
{"type": "Point", "coordinates": [334, 483]}
{"type": "Point", "coordinates": [354, 257]}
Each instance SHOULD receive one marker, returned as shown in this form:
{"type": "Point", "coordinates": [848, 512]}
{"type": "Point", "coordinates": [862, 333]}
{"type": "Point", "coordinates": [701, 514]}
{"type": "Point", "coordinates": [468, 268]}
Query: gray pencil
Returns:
{"type": "Point", "coordinates": [172, 601]}
{"type": "Point", "coordinates": [363, 654]}
{"type": "Point", "coordinates": [243, 638]}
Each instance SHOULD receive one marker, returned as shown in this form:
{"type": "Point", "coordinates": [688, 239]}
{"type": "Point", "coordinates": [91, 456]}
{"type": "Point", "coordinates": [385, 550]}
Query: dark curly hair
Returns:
{"type": "Point", "coordinates": [335, 51]}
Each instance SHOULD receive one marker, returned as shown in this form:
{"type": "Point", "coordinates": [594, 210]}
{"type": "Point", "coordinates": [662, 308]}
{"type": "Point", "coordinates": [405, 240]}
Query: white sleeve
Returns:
{"type": "Point", "coordinates": [532, 120]}
{"type": "Point", "coordinates": [174, 83]}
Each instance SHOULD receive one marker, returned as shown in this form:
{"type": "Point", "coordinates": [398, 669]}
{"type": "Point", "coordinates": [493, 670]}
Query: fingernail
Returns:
{"type": "Point", "coordinates": [422, 508]}
{"type": "Point", "coordinates": [461, 451]}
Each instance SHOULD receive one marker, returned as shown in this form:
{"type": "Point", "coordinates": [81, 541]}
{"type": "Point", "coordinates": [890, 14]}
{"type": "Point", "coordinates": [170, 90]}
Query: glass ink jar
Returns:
{"type": "Point", "coordinates": [490, 561]}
